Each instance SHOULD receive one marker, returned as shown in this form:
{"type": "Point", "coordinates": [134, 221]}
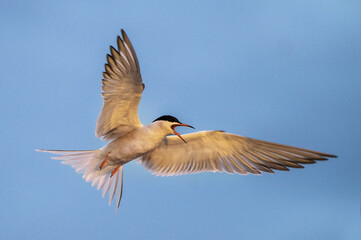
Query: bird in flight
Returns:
{"type": "Point", "coordinates": [153, 144]}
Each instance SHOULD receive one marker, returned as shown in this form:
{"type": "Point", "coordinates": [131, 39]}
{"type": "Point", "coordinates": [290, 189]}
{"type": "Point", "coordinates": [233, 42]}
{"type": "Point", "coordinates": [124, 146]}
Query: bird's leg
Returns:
{"type": "Point", "coordinates": [102, 164]}
{"type": "Point", "coordinates": [115, 171]}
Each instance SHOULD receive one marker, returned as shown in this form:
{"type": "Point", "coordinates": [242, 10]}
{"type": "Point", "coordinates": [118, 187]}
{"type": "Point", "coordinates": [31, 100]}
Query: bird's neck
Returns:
{"type": "Point", "coordinates": [158, 128]}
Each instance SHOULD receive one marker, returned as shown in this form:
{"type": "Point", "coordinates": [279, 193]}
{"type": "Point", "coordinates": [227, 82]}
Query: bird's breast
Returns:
{"type": "Point", "coordinates": [133, 145]}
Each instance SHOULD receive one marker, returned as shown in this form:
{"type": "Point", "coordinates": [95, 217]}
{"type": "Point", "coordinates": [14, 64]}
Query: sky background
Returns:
{"type": "Point", "coordinates": [281, 71]}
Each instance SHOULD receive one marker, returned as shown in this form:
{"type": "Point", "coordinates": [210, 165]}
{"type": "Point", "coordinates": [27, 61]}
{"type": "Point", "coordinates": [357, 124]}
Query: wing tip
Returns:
{"type": "Point", "coordinates": [329, 155]}
{"type": "Point", "coordinates": [123, 32]}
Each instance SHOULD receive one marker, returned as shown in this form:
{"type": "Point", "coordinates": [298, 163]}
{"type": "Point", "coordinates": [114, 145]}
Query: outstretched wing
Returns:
{"type": "Point", "coordinates": [212, 151]}
{"type": "Point", "coordinates": [122, 89]}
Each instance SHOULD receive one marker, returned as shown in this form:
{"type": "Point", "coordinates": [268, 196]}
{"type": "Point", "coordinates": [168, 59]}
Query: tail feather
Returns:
{"type": "Point", "coordinates": [116, 188]}
{"type": "Point", "coordinates": [101, 182]}
{"type": "Point", "coordinates": [87, 163]}
{"type": "Point", "coordinates": [120, 188]}
{"type": "Point", "coordinates": [113, 188]}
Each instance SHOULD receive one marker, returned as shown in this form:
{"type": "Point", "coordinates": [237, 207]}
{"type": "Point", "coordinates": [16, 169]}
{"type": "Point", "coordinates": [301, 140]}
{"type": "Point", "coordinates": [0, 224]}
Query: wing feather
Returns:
{"type": "Point", "coordinates": [122, 89]}
{"type": "Point", "coordinates": [212, 151]}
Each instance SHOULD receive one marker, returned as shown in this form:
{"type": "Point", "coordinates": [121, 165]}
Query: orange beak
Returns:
{"type": "Point", "coordinates": [180, 125]}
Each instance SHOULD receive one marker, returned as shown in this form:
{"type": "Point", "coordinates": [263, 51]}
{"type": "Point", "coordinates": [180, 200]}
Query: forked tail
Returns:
{"type": "Point", "coordinates": [87, 163]}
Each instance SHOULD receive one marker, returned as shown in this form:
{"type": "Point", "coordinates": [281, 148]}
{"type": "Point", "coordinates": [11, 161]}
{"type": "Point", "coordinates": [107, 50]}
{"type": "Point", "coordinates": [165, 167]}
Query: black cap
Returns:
{"type": "Point", "coordinates": [168, 118]}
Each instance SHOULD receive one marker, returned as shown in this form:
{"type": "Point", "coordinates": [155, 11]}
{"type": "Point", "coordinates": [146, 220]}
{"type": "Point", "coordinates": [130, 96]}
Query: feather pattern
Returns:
{"type": "Point", "coordinates": [212, 151]}
{"type": "Point", "coordinates": [122, 89]}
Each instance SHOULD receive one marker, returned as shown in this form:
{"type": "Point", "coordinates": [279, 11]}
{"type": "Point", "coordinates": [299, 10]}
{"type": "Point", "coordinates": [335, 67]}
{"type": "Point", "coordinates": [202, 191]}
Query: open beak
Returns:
{"type": "Point", "coordinates": [180, 125]}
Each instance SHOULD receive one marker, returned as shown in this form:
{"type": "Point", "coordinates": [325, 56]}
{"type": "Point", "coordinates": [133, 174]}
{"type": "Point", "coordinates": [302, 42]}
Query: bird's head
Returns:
{"type": "Point", "coordinates": [171, 123]}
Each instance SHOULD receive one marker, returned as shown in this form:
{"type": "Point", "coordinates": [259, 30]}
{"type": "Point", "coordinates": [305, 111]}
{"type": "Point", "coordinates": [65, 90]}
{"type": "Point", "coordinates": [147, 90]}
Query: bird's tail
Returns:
{"type": "Point", "coordinates": [87, 163]}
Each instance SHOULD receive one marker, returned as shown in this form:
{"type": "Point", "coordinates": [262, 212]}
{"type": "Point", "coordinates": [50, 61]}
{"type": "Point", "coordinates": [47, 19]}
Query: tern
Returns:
{"type": "Point", "coordinates": [153, 146]}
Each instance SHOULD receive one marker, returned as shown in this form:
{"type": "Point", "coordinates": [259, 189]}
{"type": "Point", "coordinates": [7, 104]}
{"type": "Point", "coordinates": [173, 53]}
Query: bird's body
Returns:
{"type": "Point", "coordinates": [135, 144]}
{"type": "Point", "coordinates": [129, 139]}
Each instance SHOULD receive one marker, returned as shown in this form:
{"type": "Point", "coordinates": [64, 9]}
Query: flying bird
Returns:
{"type": "Point", "coordinates": [158, 146]}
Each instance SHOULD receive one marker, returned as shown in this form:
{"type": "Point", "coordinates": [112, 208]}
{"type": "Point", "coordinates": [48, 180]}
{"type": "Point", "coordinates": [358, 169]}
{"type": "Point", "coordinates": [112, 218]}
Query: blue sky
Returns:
{"type": "Point", "coordinates": [282, 71]}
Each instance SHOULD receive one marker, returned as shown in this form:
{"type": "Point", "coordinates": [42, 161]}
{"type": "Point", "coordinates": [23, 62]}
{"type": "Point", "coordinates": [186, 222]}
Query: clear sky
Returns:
{"type": "Point", "coordinates": [282, 71]}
